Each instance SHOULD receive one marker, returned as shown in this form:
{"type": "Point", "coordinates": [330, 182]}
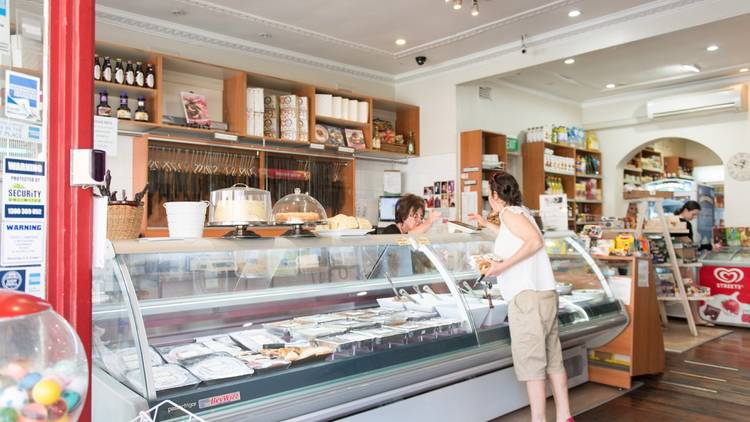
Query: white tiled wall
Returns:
{"type": "Point", "coordinates": [369, 186]}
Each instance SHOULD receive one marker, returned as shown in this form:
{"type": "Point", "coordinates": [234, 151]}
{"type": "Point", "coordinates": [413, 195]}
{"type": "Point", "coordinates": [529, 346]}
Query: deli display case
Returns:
{"type": "Point", "coordinates": [727, 273]}
{"type": "Point", "coordinates": [322, 328]}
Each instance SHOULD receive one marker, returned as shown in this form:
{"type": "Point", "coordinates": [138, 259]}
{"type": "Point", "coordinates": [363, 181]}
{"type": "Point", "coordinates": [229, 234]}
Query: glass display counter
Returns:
{"type": "Point", "coordinates": [284, 327]}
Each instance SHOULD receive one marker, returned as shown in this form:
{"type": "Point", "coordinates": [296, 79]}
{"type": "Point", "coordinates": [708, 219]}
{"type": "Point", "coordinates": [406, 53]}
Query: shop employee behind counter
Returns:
{"type": "Point", "coordinates": [410, 219]}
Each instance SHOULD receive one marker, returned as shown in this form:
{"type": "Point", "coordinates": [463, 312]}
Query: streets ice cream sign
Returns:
{"type": "Point", "coordinates": [20, 194]}
{"type": "Point", "coordinates": [729, 278]}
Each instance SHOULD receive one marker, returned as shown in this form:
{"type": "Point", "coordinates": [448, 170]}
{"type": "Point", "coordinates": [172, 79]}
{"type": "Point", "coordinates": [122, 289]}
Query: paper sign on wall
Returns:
{"type": "Point", "coordinates": [22, 96]}
{"type": "Point", "coordinates": [392, 182]}
{"type": "Point", "coordinates": [643, 273]}
{"type": "Point", "coordinates": [24, 196]}
{"type": "Point", "coordinates": [105, 135]}
{"type": "Point", "coordinates": [468, 205]}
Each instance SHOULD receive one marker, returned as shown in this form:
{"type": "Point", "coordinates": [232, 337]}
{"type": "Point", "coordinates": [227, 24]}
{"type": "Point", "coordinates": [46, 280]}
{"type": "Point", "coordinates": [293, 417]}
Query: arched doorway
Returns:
{"type": "Point", "coordinates": [689, 169]}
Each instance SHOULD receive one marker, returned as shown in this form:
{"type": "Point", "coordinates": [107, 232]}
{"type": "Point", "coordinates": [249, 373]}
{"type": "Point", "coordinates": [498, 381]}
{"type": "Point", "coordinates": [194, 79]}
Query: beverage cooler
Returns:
{"type": "Point", "coordinates": [727, 273]}
{"type": "Point", "coordinates": [362, 328]}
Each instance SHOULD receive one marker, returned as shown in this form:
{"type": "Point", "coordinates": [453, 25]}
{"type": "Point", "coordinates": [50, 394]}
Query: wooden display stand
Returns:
{"type": "Point", "coordinates": [535, 176]}
{"type": "Point", "coordinates": [641, 342]}
{"type": "Point", "coordinates": [474, 144]}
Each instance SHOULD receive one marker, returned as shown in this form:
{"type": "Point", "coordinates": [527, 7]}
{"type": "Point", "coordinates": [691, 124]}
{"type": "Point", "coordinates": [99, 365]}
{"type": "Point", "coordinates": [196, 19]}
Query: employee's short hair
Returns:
{"type": "Point", "coordinates": [408, 204]}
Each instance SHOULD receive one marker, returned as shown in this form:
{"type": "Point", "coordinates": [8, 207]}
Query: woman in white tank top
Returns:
{"type": "Point", "coordinates": [527, 283]}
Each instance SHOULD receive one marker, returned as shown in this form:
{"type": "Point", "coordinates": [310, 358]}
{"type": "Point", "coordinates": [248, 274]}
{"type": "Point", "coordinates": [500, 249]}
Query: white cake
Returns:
{"type": "Point", "coordinates": [240, 210]}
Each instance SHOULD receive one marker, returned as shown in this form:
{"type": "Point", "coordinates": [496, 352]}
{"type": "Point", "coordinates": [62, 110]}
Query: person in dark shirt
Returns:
{"type": "Point", "coordinates": [689, 211]}
{"type": "Point", "coordinates": [410, 218]}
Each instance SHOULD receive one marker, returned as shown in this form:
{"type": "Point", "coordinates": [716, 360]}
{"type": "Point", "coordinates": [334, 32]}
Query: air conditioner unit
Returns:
{"type": "Point", "coordinates": [730, 99]}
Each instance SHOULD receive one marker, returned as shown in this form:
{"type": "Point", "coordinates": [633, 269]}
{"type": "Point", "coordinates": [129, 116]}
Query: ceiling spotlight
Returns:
{"type": "Point", "coordinates": [400, 41]}
{"type": "Point", "coordinates": [457, 4]}
{"type": "Point", "coordinates": [691, 68]}
{"type": "Point", "coordinates": [569, 61]}
{"type": "Point", "coordinates": [475, 8]}
{"type": "Point", "coordinates": [574, 13]}
{"type": "Point", "coordinates": [744, 69]}
{"type": "Point", "coordinates": [712, 47]}
{"type": "Point", "coordinates": [610, 86]}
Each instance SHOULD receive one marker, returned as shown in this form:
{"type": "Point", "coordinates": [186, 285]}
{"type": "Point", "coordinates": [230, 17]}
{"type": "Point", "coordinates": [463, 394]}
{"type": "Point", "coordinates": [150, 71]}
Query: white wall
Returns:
{"type": "Point", "coordinates": [511, 110]}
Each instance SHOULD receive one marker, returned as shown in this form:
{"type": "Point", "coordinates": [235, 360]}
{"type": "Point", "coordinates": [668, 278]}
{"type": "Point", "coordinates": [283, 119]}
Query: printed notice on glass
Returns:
{"type": "Point", "coordinates": [4, 29]}
{"type": "Point", "coordinates": [24, 189]}
{"type": "Point", "coordinates": [105, 135]}
{"type": "Point", "coordinates": [621, 288]}
{"type": "Point", "coordinates": [554, 212]}
{"type": "Point", "coordinates": [22, 243]}
{"type": "Point", "coordinates": [11, 130]}
{"type": "Point", "coordinates": [29, 280]}
{"type": "Point", "coordinates": [22, 96]}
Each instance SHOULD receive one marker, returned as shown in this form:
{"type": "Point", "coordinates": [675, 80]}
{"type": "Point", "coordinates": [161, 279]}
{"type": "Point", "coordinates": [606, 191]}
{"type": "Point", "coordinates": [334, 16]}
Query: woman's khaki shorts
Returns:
{"type": "Point", "coordinates": [534, 338]}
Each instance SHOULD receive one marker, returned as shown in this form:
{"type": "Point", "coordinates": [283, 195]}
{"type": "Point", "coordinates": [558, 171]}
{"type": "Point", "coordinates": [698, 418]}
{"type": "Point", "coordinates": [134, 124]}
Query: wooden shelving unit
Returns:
{"type": "Point", "coordinates": [639, 349]}
{"type": "Point", "coordinates": [680, 167]}
{"type": "Point", "coordinates": [638, 173]}
{"type": "Point", "coordinates": [474, 144]}
{"type": "Point", "coordinates": [535, 179]}
{"type": "Point", "coordinates": [225, 90]}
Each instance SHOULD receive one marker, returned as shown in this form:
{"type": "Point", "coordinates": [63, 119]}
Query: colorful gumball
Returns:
{"type": "Point", "coordinates": [57, 410]}
{"type": "Point", "coordinates": [8, 415]}
{"type": "Point", "coordinates": [14, 397]}
{"type": "Point", "coordinates": [71, 399]}
{"type": "Point", "coordinates": [33, 412]}
{"type": "Point", "coordinates": [15, 370]}
{"type": "Point", "coordinates": [29, 380]}
{"type": "Point", "coordinates": [46, 392]}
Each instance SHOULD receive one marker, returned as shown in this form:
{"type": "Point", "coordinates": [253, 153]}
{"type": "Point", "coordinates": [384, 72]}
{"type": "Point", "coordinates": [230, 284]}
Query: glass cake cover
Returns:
{"type": "Point", "coordinates": [298, 208]}
{"type": "Point", "coordinates": [239, 205]}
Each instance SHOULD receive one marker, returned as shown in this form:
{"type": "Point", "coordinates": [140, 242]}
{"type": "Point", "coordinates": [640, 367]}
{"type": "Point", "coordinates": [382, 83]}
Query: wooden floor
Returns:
{"type": "Point", "coordinates": [708, 383]}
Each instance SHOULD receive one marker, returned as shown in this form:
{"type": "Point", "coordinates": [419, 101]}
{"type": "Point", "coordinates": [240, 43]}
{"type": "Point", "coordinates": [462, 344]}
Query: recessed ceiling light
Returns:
{"type": "Point", "coordinates": [744, 69]}
{"type": "Point", "coordinates": [610, 86]}
{"type": "Point", "coordinates": [574, 13]}
{"type": "Point", "coordinates": [400, 41]}
{"type": "Point", "coordinates": [475, 8]}
{"type": "Point", "coordinates": [569, 61]}
{"type": "Point", "coordinates": [691, 68]}
{"type": "Point", "coordinates": [712, 47]}
{"type": "Point", "coordinates": [457, 4]}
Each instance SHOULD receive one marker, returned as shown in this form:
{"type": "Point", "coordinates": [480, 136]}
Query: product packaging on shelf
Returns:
{"type": "Point", "coordinates": [288, 117]}
{"type": "Point", "coordinates": [324, 105]}
{"type": "Point", "coordinates": [303, 116]}
{"type": "Point", "coordinates": [255, 111]}
{"type": "Point", "coordinates": [271, 116]}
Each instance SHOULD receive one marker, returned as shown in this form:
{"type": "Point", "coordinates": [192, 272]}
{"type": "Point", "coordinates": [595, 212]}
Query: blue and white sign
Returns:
{"type": "Point", "coordinates": [19, 131]}
{"type": "Point", "coordinates": [23, 243]}
{"type": "Point", "coordinates": [4, 28]}
{"type": "Point", "coordinates": [22, 96]}
{"type": "Point", "coordinates": [13, 279]}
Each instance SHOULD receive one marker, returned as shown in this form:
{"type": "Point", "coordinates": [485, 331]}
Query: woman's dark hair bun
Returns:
{"type": "Point", "coordinates": [506, 187]}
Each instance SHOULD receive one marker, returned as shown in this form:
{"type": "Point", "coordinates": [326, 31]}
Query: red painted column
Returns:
{"type": "Point", "coordinates": [70, 117]}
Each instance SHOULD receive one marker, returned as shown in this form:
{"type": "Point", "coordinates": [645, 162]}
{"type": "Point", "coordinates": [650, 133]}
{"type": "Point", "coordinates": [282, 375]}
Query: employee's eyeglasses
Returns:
{"type": "Point", "coordinates": [417, 216]}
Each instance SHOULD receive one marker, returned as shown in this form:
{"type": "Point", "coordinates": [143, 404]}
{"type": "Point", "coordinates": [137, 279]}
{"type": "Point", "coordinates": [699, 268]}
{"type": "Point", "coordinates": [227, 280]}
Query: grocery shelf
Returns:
{"type": "Point", "coordinates": [588, 176]}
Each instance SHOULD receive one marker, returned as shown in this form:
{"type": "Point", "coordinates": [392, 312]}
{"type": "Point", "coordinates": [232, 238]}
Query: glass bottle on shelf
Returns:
{"type": "Point", "coordinates": [119, 72]}
{"type": "Point", "coordinates": [410, 143]}
{"type": "Point", "coordinates": [140, 77]}
{"type": "Point", "coordinates": [107, 70]}
{"type": "Point", "coordinates": [129, 74]}
{"type": "Point", "coordinates": [141, 114]}
{"type": "Point", "coordinates": [97, 68]}
{"type": "Point", "coordinates": [103, 109]}
{"type": "Point", "coordinates": [123, 112]}
{"type": "Point", "coordinates": [150, 78]}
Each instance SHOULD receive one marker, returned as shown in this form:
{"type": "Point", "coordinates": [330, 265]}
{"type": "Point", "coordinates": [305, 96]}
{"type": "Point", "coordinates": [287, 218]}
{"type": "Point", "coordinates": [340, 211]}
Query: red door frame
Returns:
{"type": "Point", "coordinates": [70, 117]}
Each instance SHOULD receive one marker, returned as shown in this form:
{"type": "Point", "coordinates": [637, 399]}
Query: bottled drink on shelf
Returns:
{"type": "Point", "coordinates": [103, 109]}
{"type": "Point", "coordinates": [97, 68]}
{"type": "Point", "coordinates": [123, 112]}
{"type": "Point", "coordinates": [410, 143]}
{"type": "Point", "coordinates": [150, 77]}
{"type": "Point", "coordinates": [129, 74]}
{"type": "Point", "coordinates": [140, 77]}
{"type": "Point", "coordinates": [141, 114]}
{"type": "Point", "coordinates": [107, 70]}
{"type": "Point", "coordinates": [119, 72]}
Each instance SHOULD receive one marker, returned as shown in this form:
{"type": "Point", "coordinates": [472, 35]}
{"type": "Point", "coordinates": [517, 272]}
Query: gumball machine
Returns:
{"type": "Point", "coordinates": [43, 368]}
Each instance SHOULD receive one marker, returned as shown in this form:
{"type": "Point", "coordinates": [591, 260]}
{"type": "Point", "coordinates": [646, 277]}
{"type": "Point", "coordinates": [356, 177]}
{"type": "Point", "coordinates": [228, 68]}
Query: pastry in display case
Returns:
{"type": "Point", "coordinates": [299, 210]}
{"type": "Point", "coordinates": [239, 206]}
{"type": "Point", "coordinates": [403, 314]}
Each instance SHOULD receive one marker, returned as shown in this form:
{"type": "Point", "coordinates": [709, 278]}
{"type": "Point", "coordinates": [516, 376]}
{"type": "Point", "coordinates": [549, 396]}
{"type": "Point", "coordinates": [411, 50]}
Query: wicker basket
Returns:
{"type": "Point", "coordinates": [124, 221]}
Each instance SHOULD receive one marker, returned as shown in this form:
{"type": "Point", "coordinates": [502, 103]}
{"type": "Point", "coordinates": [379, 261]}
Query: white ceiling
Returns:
{"type": "Point", "coordinates": [362, 32]}
{"type": "Point", "coordinates": [646, 64]}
